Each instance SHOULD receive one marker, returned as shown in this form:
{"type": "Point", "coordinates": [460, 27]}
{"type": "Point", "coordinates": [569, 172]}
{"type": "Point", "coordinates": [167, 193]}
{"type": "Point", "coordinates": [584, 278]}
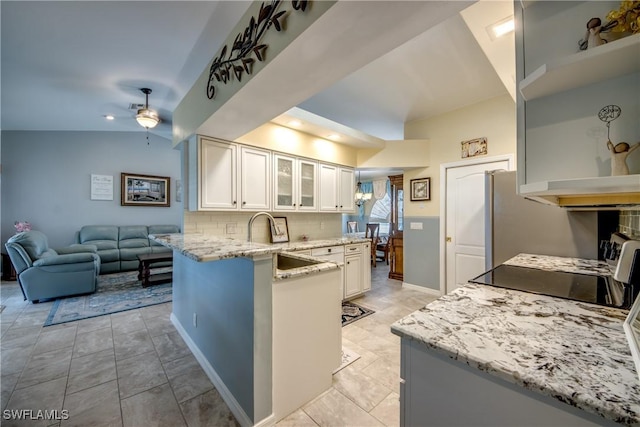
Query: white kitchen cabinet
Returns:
{"type": "Point", "coordinates": [295, 182]}
{"type": "Point", "coordinates": [328, 188]}
{"type": "Point", "coordinates": [352, 275]}
{"type": "Point", "coordinates": [337, 186]}
{"type": "Point", "coordinates": [218, 175]}
{"type": "Point", "coordinates": [307, 185]}
{"type": "Point", "coordinates": [357, 268]}
{"type": "Point", "coordinates": [346, 190]}
{"type": "Point", "coordinates": [255, 179]}
{"type": "Point", "coordinates": [231, 182]}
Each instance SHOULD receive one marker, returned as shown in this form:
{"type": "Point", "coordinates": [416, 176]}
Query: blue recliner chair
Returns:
{"type": "Point", "coordinates": [45, 273]}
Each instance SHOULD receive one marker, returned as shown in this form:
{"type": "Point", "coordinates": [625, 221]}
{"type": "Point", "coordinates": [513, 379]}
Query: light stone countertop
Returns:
{"type": "Point", "coordinates": [574, 352]}
{"type": "Point", "coordinates": [204, 248]}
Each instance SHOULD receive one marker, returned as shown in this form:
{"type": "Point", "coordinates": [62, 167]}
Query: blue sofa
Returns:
{"type": "Point", "coordinates": [45, 273]}
{"type": "Point", "coordinates": [119, 246]}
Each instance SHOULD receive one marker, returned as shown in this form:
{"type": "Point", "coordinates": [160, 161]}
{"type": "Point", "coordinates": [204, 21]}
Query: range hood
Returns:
{"type": "Point", "coordinates": [609, 192]}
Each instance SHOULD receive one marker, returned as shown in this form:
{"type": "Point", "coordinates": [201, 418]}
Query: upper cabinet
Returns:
{"type": "Point", "coordinates": [218, 177]}
{"type": "Point", "coordinates": [563, 156]}
{"type": "Point", "coordinates": [255, 179]}
{"type": "Point", "coordinates": [234, 176]}
{"type": "Point", "coordinates": [337, 186]}
{"type": "Point", "coordinates": [228, 181]}
{"type": "Point", "coordinates": [296, 184]}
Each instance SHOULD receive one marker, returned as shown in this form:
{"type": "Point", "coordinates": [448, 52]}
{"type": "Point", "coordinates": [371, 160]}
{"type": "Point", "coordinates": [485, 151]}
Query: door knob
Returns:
{"type": "Point", "coordinates": [448, 239]}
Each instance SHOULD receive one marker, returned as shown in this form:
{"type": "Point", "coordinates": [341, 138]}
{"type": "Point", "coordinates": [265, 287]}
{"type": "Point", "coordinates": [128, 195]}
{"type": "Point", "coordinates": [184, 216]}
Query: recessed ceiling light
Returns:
{"type": "Point", "coordinates": [333, 136]}
{"type": "Point", "coordinates": [502, 27]}
{"type": "Point", "coordinates": [109, 117]}
{"type": "Point", "coordinates": [295, 123]}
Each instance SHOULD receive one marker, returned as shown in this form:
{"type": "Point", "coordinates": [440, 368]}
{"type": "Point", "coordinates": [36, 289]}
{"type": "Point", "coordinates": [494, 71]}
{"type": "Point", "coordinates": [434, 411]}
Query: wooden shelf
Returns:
{"type": "Point", "coordinates": [608, 61]}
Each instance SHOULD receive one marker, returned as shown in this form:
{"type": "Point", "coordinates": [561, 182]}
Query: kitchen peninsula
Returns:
{"type": "Point", "coordinates": [493, 356]}
{"type": "Point", "coordinates": [235, 305]}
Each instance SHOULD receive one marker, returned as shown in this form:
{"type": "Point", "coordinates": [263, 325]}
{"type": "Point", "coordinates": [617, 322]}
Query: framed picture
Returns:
{"type": "Point", "coordinates": [420, 189]}
{"type": "Point", "coordinates": [280, 230]}
{"type": "Point", "coordinates": [474, 147]}
{"type": "Point", "coordinates": [144, 190]}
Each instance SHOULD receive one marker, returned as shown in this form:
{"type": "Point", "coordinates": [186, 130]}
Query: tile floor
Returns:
{"type": "Point", "coordinates": [133, 369]}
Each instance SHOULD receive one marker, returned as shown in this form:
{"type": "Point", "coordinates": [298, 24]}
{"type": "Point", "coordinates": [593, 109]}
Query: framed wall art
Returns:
{"type": "Point", "coordinates": [474, 147]}
{"type": "Point", "coordinates": [420, 189]}
{"type": "Point", "coordinates": [279, 230]}
{"type": "Point", "coordinates": [144, 190]}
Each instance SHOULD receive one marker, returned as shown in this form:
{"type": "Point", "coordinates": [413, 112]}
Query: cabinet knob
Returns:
{"type": "Point", "coordinates": [300, 203]}
{"type": "Point", "coordinates": [244, 203]}
{"type": "Point", "coordinates": [340, 206]}
{"type": "Point", "coordinates": [336, 206]}
{"type": "Point", "coordinates": [235, 203]}
{"type": "Point", "coordinates": [294, 205]}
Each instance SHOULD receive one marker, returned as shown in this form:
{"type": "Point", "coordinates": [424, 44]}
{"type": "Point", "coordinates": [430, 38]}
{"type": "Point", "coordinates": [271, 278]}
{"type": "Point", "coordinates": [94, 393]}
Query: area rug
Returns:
{"type": "Point", "coordinates": [348, 357]}
{"type": "Point", "coordinates": [115, 292]}
{"type": "Point", "coordinates": [352, 312]}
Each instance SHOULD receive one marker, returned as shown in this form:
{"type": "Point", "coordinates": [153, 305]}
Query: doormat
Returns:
{"type": "Point", "coordinates": [352, 312]}
{"type": "Point", "coordinates": [114, 293]}
{"type": "Point", "coordinates": [348, 357]}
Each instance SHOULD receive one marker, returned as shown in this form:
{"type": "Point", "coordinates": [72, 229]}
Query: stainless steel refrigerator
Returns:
{"type": "Point", "coordinates": [517, 225]}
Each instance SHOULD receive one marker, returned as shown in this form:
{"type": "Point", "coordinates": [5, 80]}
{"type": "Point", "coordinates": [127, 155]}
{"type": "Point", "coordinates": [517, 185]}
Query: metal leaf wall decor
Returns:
{"type": "Point", "coordinates": [238, 60]}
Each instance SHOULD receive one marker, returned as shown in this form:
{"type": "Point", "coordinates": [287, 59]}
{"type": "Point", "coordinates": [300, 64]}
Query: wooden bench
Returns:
{"type": "Point", "coordinates": [144, 269]}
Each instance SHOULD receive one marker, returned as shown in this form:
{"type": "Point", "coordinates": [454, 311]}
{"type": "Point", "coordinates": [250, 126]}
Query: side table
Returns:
{"type": "Point", "coordinates": [144, 269]}
{"type": "Point", "coordinates": [8, 272]}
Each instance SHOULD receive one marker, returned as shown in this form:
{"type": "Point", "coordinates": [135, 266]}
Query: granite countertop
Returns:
{"type": "Point", "coordinates": [571, 351]}
{"type": "Point", "coordinates": [319, 265]}
{"type": "Point", "coordinates": [202, 247]}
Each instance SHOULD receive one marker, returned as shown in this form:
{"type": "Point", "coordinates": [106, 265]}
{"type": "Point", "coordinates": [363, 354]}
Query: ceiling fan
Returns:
{"type": "Point", "coordinates": [147, 117]}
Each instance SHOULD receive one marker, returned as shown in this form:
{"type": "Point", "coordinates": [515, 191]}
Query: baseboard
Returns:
{"type": "Point", "coordinates": [228, 398]}
{"type": "Point", "coordinates": [434, 292]}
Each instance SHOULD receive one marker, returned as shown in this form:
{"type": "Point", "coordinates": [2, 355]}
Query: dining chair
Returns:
{"type": "Point", "coordinates": [383, 246]}
{"type": "Point", "coordinates": [352, 226]}
{"type": "Point", "coordinates": [373, 232]}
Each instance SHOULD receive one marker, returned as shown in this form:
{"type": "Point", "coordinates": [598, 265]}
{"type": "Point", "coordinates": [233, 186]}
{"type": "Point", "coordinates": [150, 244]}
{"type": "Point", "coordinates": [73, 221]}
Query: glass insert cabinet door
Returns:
{"type": "Point", "coordinates": [308, 171]}
{"type": "Point", "coordinates": [285, 184]}
{"type": "Point", "coordinates": [296, 183]}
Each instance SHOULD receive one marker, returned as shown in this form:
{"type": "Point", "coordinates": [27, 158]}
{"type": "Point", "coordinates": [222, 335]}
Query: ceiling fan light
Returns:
{"type": "Point", "coordinates": [147, 118]}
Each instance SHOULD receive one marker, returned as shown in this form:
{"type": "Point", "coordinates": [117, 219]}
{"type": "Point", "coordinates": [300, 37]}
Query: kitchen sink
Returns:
{"type": "Point", "coordinates": [285, 262]}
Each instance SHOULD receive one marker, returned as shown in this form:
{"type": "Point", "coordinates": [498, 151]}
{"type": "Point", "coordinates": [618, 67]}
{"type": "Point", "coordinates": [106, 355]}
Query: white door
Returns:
{"type": "Point", "coordinates": [464, 217]}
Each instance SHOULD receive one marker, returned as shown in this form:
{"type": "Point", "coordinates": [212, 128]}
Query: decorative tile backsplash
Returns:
{"type": "Point", "coordinates": [630, 223]}
{"type": "Point", "coordinates": [235, 225]}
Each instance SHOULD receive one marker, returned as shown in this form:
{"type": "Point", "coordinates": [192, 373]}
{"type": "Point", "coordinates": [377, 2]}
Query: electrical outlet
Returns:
{"type": "Point", "coordinates": [415, 226]}
{"type": "Point", "coordinates": [195, 320]}
{"type": "Point", "coordinates": [231, 228]}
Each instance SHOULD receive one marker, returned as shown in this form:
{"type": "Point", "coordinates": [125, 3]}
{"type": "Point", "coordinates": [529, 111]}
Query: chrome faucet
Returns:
{"type": "Point", "coordinates": [253, 218]}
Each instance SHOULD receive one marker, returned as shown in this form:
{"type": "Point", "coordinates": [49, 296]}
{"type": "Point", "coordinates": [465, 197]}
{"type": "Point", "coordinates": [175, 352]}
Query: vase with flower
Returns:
{"type": "Point", "coordinates": [21, 226]}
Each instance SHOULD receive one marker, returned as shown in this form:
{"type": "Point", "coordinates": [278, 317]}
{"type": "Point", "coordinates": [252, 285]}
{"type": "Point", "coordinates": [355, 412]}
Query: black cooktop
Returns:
{"type": "Point", "coordinates": [601, 290]}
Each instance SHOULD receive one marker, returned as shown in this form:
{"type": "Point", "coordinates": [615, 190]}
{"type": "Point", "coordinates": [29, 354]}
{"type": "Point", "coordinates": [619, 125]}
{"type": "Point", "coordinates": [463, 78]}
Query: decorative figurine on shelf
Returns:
{"type": "Point", "coordinates": [623, 21]}
{"type": "Point", "coordinates": [620, 151]}
{"type": "Point", "coordinates": [592, 37]}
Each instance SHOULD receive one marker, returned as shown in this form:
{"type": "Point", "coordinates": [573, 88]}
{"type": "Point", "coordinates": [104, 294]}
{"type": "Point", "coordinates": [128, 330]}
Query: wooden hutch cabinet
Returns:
{"type": "Point", "coordinates": [396, 259]}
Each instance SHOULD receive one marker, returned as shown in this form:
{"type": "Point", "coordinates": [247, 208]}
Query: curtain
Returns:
{"type": "Point", "coordinates": [367, 187]}
{"type": "Point", "coordinates": [380, 188]}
